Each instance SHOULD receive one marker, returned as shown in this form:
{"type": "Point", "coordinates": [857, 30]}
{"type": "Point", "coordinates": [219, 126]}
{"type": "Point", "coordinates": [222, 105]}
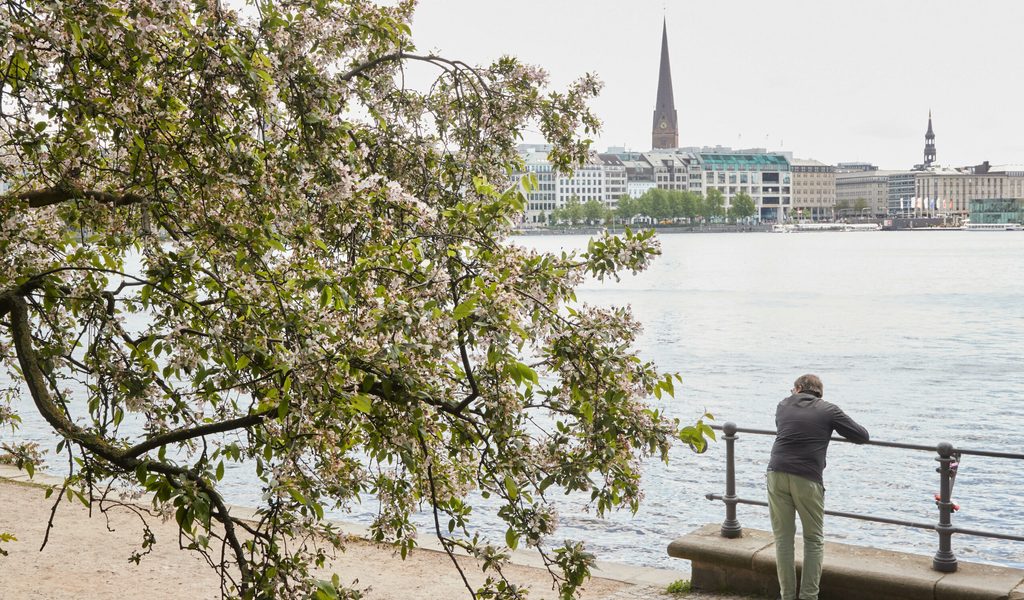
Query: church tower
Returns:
{"type": "Point", "coordinates": [929, 143]}
{"type": "Point", "coordinates": [665, 133]}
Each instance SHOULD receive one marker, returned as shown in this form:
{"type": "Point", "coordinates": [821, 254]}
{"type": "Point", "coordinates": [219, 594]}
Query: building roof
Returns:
{"type": "Point", "coordinates": [807, 162]}
{"type": "Point", "coordinates": [662, 159]}
{"type": "Point", "coordinates": [742, 161]}
{"type": "Point", "coordinates": [1015, 170]}
{"type": "Point", "coordinates": [610, 159]}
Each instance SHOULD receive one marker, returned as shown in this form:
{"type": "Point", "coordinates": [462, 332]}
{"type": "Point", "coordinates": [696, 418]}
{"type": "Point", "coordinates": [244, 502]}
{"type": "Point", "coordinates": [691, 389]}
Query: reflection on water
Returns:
{"type": "Point", "coordinates": [918, 335]}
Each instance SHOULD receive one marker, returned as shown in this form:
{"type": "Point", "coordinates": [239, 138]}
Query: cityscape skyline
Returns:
{"type": "Point", "coordinates": [785, 78]}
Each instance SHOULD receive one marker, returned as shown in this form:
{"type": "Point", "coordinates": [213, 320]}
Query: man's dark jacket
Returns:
{"type": "Point", "coordinates": [805, 424]}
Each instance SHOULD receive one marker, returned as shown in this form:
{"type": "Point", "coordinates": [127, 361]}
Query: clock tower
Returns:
{"type": "Point", "coordinates": [929, 143]}
{"type": "Point", "coordinates": [666, 124]}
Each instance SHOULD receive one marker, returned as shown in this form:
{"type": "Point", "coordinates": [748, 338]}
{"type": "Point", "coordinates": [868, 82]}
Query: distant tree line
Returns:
{"type": "Point", "coordinates": [658, 205]}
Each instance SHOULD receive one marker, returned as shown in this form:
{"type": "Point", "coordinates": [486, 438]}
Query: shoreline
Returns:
{"type": "Point", "coordinates": [86, 556]}
{"type": "Point", "coordinates": [894, 224]}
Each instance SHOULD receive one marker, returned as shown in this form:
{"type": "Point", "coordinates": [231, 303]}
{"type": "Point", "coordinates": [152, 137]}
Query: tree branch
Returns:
{"type": "Point", "coordinates": [445, 542]}
{"type": "Point", "coordinates": [430, 58]}
{"type": "Point", "coordinates": [21, 333]}
{"type": "Point", "coordinates": [180, 435]}
{"type": "Point", "coordinates": [61, 194]}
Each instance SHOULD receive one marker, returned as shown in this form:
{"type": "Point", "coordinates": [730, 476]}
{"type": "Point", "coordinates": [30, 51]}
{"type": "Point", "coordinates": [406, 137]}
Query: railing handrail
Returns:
{"type": "Point", "coordinates": [887, 520]}
{"type": "Point", "coordinates": [836, 438]}
{"type": "Point", "coordinates": [948, 459]}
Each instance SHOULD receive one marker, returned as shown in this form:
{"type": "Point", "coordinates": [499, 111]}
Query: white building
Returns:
{"type": "Point", "coordinates": [601, 178]}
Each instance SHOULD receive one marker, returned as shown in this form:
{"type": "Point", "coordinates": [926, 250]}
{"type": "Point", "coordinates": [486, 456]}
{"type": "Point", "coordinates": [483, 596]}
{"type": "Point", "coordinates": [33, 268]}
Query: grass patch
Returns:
{"type": "Point", "coordinates": [679, 586]}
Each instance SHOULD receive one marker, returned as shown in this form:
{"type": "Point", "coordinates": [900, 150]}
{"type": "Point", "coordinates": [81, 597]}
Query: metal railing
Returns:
{"type": "Point", "coordinates": [948, 459]}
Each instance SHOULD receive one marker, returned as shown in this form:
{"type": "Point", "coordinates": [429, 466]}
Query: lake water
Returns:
{"type": "Point", "coordinates": [919, 336]}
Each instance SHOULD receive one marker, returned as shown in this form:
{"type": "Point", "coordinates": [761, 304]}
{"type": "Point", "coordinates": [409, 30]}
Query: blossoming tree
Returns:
{"type": "Point", "coordinates": [236, 237]}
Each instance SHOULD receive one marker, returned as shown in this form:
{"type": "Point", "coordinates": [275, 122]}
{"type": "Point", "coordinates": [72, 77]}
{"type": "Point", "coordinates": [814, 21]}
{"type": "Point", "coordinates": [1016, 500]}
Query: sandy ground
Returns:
{"type": "Point", "coordinates": [83, 559]}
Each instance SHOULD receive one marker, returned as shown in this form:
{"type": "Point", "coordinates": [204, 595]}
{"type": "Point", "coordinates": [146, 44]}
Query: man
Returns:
{"type": "Point", "coordinates": [805, 424]}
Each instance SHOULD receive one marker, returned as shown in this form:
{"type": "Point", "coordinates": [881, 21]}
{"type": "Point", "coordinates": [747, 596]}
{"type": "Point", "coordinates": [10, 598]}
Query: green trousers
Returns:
{"type": "Point", "coordinates": [789, 495]}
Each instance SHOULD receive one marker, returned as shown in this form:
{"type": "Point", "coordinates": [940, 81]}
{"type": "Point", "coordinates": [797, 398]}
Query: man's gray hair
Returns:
{"type": "Point", "coordinates": [809, 383]}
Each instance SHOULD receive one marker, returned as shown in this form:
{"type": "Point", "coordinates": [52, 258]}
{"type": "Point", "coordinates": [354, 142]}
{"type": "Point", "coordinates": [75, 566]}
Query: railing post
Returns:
{"type": "Point", "coordinates": [944, 560]}
{"type": "Point", "coordinates": [730, 527]}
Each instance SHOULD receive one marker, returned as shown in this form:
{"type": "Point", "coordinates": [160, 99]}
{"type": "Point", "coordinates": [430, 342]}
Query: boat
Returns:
{"type": "Point", "coordinates": [790, 228]}
{"type": "Point", "coordinates": [862, 227]}
{"type": "Point", "coordinates": [968, 226]}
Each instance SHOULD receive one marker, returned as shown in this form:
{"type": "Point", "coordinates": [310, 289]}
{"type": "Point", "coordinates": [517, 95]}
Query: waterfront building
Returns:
{"type": "Point", "coordinates": [764, 176]}
{"type": "Point", "coordinates": [948, 191]}
{"type": "Point", "coordinates": [861, 192]}
{"type": "Point", "coordinates": [602, 177]}
{"type": "Point", "coordinates": [902, 189]}
{"type": "Point", "coordinates": [814, 190]}
{"type": "Point", "coordinates": [996, 210]}
{"type": "Point", "coordinates": [665, 128]}
{"type": "Point", "coordinates": [883, 192]}
{"type": "Point", "coordinates": [541, 200]}
{"type": "Point", "coordinates": [614, 177]}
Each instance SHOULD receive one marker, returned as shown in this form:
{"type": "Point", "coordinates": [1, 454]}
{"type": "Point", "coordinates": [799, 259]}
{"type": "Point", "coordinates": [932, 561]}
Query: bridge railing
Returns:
{"type": "Point", "coordinates": [948, 459]}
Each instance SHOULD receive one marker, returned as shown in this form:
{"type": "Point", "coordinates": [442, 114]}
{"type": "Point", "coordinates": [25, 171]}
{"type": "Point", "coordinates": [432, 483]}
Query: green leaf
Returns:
{"type": "Point", "coordinates": [464, 309]}
{"type": "Point", "coordinates": [361, 402]}
{"type": "Point", "coordinates": [296, 495]}
{"type": "Point", "coordinates": [511, 487]}
{"type": "Point", "coordinates": [546, 483]}
{"type": "Point", "coordinates": [588, 411]}
{"type": "Point", "coordinates": [521, 372]}
{"type": "Point", "coordinates": [511, 538]}
{"type": "Point", "coordinates": [325, 590]}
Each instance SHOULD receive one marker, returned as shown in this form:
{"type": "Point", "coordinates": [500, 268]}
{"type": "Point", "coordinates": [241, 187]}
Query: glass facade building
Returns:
{"type": "Point", "coordinates": [997, 210]}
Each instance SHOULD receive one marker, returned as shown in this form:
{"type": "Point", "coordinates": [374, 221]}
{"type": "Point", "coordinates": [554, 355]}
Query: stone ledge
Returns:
{"type": "Point", "coordinates": [747, 565]}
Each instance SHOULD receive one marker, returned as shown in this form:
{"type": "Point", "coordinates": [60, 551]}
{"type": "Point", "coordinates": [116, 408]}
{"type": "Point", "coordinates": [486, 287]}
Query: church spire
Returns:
{"type": "Point", "coordinates": [929, 143]}
{"type": "Point", "coordinates": [665, 133]}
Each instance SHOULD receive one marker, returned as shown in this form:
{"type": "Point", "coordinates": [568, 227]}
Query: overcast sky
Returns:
{"type": "Point", "coordinates": [833, 81]}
